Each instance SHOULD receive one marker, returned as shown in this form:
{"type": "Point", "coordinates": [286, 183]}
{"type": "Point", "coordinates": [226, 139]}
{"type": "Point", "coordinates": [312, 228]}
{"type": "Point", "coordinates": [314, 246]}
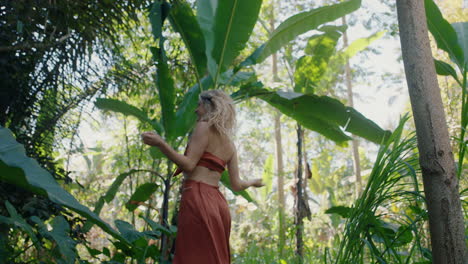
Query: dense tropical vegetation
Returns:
{"type": "Point", "coordinates": [82, 79]}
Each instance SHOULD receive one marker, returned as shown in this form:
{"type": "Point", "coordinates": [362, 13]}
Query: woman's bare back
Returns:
{"type": "Point", "coordinates": [218, 145]}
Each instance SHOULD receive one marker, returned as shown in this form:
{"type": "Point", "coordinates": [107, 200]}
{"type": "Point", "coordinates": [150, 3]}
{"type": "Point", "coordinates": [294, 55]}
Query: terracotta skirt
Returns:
{"type": "Point", "coordinates": [204, 225]}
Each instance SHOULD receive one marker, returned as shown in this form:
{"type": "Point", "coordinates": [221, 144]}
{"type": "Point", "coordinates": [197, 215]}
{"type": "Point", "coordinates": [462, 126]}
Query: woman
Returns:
{"type": "Point", "coordinates": [204, 221]}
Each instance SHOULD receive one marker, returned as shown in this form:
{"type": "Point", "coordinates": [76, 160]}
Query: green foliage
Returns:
{"type": "Point", "coordinates": [267, 177]}
{"type": "Point", "coordinates": [158, 13]}
{"type": "Point", "coordinates": [299, 24]}
{"type": "Point", "coordinates": [445, 69]}
{"type": "Point", "coordinates": [360, 44]}
{"type": "Point", "coordinates": [16, 220]}
{"type": "Point", "coordinates": [109, 196]}
{"type": "Point", "coordinates": [226, 26]}
{"type": "Point", "coordinates": [64, 249]}
{"type": "Point", "coordinates": [166, 91]}
{"type": "Point", "coordinates": [342, 211]}
{"type": "Point", "coordinates": [225, 181]}
{"type": "Point", "coordinates": [185, 23]}
{"type": "Point", "coordinates": [18, 169]}
{"type": "Point", "coordinates": [185, 117]}
{"type": "Point", "coordinates": [126, 109]}
{"type": "Point", "coordinates": [141, 194]}
{"type": "Point", "coordinates": [461, 28]}
{"type": "Point", "coordinates": [444, 34]}
{"type": "Point", "coordinates": [368, 229]}
{"type": "Point", "coordinates": [311, 67]}
{"type": "Point", "coordinates": [323, 114]}
{"type": "Point", "coordinates": [60, 233]}
{"type": "Point", "coordinates": [452, 39]}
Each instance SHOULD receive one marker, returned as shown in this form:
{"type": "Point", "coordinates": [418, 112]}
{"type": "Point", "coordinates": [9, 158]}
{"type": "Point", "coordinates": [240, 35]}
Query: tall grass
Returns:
{"type": "Point", "coordinates": [385, 223]}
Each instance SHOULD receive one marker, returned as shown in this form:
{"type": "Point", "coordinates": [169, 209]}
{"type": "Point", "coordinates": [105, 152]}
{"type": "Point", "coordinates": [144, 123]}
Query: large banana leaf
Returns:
{"type": "Point", "coordinates": [226, 26]}
{"type": "Point", "coordinates": [164, 83]}
{"type": "Point", "coordinates": [118, 106]}
{"type": "Point", "coordinates": [300, 24]}
{"type": "Point", "coordinates": [322, 114]}
{"type": "Point", "coordinates": [444, 34]}
{"type": "Point", "coordinates": [158, 13]}
{"type": "Point", "coordinates": [185, 23]}
{"type": "Point", "coordinates": [18, 169]}
{"type": "Point", "coordinates": [311, 67]}
{"type": "Point", "coordinates": [185, 115]}
{"type": "Point", "coordinates": [462, 36]}
{"type": "Point", "coordinates": [166, 91]}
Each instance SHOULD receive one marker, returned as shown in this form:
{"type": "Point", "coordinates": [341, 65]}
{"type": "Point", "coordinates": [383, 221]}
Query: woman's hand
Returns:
{"type": "Point", "coordinates": [257, 183]}
{"type": "Point", "coordinates": [151, 138]}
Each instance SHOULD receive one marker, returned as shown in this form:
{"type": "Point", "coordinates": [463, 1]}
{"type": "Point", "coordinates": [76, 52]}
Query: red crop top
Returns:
{"type": "Point", "coordinates": [209, 161]}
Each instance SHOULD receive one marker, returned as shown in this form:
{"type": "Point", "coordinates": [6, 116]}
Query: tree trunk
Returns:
{"type": "Point", "coordinates": [166, 239]}
{"type": "Point", "coordinates": [299, 196]}
{"type": "Point", "coordinates": [355, 143]}
{"type": "Point", "coordinates": [436, 158]}
{"type": "Point", "coordinates": [279, 152]}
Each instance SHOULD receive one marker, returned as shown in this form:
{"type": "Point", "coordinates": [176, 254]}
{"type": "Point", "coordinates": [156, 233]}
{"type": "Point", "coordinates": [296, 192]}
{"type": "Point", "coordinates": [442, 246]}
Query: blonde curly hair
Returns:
{"type": "Point", "coordinates": [220, 111]}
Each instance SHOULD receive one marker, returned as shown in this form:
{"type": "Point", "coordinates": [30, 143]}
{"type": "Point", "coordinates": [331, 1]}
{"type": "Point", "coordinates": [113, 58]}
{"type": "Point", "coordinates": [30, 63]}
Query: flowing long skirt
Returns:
{"type": "Point", "coordinates": [204, 225]}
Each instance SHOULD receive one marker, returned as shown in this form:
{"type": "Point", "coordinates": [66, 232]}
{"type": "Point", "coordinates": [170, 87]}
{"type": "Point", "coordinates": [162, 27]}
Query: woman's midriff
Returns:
{"type": "Point", "coordinates": [205, 175]}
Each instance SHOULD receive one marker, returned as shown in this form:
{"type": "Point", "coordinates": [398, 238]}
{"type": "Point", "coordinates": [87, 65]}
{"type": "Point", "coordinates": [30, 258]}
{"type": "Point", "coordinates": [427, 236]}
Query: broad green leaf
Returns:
{"type": "Point", "coordinates": [299, 24]}
{"type": "Point", "coordinates": [185, 115]}
{"type": "Point", "coordinates": [118, 106]}
{"type": "Point", "coordinates": [343, 211]}
{"type": "Point", "coordinates": [158, 227]}
{"type": "Point", "coordinates": [166, 91]}
{"type": "Point", "coordinates": [444, 34]}
{"type": "Point", "coordinates": [141, 194]}
{"type": "Point", "coordinates": [403, 236]}
{"type": "Point", "coordinates": [60, 233]}
{"type": "Point", "coordinates": [232, 78]}
{"type": "Point", "coordinates": [185, 23]}
{"type": "Point", "coordinates": [112, 191]}
{"type": "Point", "coordinates": [226, 182]}
{"type": "Point", "coordinates": [127, 230]}
{"type": "Point", "coordinates": [462, 36]}
{"type": "Point", "coordinates": [155, 17]}
{"type": "Point", "coordinates": [445, 69]}
{"type": "Point", "coordinates": [325, 42]}
{"type": "Point", "coordinates": [361, 44]}
{"type": "Point", "coordinates": [16, 220]}
{"type": "Point", "coordinates": [109, 196]}
{"type": "Point", "coordinates": [18, 169]}
{"type": "Point", "coordinates": [322, 114]}
{"type": "Point", "coordinates": [226, 26]}
{"type": "Point", "coordinates": [310, 68]}
{"type": "Point", "coordinates": [267, 177]}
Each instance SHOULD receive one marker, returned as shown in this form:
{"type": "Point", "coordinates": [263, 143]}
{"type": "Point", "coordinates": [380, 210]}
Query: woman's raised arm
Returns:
{"type": "Point", "coordinates": [197, 145]}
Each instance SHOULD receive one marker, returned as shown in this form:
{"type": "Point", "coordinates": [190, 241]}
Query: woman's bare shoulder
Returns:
{"type": "Point", "coordinates": [201, 128]}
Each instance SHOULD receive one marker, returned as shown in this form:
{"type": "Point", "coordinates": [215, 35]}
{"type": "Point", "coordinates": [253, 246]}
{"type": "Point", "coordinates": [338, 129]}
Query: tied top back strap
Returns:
{"type": "Point", "coordinates": [209, 161]}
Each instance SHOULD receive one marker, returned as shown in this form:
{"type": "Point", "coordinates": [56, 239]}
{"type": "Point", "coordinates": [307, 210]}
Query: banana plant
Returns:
{"type": "Point", "coordinates": [323, 114]}
{"type": "Point", "coordinates": [222, 28]}
{"type": "Point", "coordinates": [453, 39]}
{"type": "Point", "coordinates": [18, 169]}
